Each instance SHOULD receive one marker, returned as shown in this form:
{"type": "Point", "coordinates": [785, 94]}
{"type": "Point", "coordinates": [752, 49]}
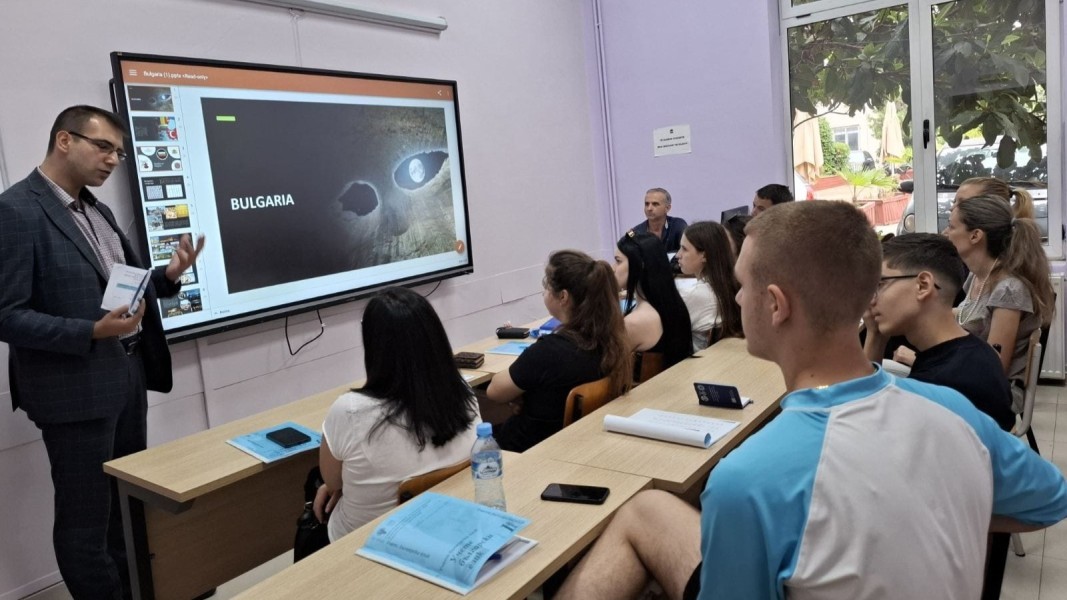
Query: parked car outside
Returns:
{"type": "Point", "coordinates": [859, 160]}
{"type": "Point", "coordinates": [973, 159]}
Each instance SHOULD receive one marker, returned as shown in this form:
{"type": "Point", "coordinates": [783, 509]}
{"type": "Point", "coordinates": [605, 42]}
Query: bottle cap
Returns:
{"type": "Point", "coordinates": [485, 429]}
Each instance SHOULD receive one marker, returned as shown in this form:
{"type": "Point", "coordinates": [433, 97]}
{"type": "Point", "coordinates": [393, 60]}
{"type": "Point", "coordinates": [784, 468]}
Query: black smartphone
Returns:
{"type": "Point", "coordinates": [287, 437]}
{"type": "Point", "coordinates": [720, 396]}
{"type": "Point", "coordinates": [582, 494]}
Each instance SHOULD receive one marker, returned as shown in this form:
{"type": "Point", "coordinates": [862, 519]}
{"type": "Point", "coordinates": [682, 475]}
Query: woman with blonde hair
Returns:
{"type": "Point", "coordinates": [1009, 295]}
{"type": "Point", "coordinates": [590, 344]}
{"type": "Point", "coordinates": [1022, 203]}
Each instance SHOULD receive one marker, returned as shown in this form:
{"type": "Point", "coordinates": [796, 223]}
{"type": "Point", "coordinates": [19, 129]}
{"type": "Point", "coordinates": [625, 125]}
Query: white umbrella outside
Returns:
{"type": "Point", "coordinates": [807, 146]}
{"type": "Point", "coordinates": [892, 137]}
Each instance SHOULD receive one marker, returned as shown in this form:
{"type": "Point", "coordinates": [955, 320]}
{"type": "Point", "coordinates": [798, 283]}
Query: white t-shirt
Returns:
{"type": "Point", "coordinates": [374, 466]}
{"type": "Point", "coordinates": [703, 308]}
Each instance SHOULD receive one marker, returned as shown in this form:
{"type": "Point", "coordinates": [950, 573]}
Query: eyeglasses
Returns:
{"type": "Point", "coordinates": [883, 282]}
{"type": "Point", "coordinates": [102, 145]}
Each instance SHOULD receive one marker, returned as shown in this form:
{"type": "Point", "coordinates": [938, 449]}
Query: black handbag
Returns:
{"type": "Point", "coordinates": [311, 535]}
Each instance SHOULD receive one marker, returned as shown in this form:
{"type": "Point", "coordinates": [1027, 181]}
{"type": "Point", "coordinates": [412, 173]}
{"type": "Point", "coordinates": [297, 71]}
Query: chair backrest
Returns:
{"type": "Point", "coordinates": [586, 398]}
{"type": "Point", "coordinates": [647, 365]}
{"type": "Point", "coordinates": [1033, 369]}
{"type": "Point", "coordinates": [413, 486]}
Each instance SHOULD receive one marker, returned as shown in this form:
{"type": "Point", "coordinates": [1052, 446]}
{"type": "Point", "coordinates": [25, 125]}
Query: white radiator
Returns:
{"type": "Point", "coordinates": [1053, 365]}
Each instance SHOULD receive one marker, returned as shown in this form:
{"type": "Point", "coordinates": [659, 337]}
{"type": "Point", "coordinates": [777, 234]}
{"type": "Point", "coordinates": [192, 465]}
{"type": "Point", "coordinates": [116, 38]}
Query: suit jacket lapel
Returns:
{"type": "Point", "coordinates": [64, 222]}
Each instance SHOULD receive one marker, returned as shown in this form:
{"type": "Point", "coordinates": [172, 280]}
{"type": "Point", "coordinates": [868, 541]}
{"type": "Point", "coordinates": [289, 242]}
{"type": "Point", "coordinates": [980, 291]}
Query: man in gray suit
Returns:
{"type": "Point", "coordinates": [80, 372]}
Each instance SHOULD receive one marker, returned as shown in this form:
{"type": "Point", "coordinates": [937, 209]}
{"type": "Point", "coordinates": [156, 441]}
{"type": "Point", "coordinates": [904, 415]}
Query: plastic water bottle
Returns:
{"type": "Point", "coordinates": [487, 466]}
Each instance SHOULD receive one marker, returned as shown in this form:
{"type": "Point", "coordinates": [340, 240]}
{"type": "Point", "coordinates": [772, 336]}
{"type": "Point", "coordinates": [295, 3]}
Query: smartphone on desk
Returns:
{"type": "Point", "coordinates": [287, 437]}
{"type": "Point", "coordinates": [719, 396]}
{"type": "Point", "coordinates": [582, 494]}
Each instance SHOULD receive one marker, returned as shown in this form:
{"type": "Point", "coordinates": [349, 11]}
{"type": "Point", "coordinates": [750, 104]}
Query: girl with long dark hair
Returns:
{"type": "Point", "coordinates": [656, 317]}
{"type": "Point", "coordinates": [705, 254]}
{"type": "Point", "coordinates": [415, 413]}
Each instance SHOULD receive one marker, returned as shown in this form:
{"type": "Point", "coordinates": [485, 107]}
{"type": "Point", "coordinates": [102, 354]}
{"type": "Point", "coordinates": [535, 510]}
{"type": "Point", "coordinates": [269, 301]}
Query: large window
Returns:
{"type": "Point", "coordinates": [926, 91]}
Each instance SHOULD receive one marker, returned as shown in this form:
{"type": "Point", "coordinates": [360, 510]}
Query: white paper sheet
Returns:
{"type": "Point", "coordinates": [678, 428]}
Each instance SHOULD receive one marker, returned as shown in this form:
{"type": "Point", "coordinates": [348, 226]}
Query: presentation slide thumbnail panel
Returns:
{"type": "Point", "coordinates": [170, 216]}
{"type": "Point", "coordinates": [186, 302]}
{"type": "Point", "coordinates": [155, 129]}
{"type": "Point", "coordinates": [150, 98]}
{"type": "Point", "coordinates": [163, 188]}
{"type": "Point", "coordinates": [159, 158]}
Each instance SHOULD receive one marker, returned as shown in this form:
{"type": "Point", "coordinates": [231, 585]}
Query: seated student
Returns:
{"type": "Point", "coordinates": [705, 254]}
{"type": "Point", "coordinates": [415, 414]}
{"type": "Point", "coordinates": [667, 229]}
{"type": "Point", "coordinates": [865, 486]}
{"type": "Point", "coordinates": [589, 344]}
{"type": "Point", "coordinates": [770, 195]}
{"type": "Point", "coordinates": [921, 275]}
{"type": "Point", "coordinates": [656, 317]}
{"type": "Point", "coordinates": [736, 226]}
{"type": "Point", "coordinates": [1009, 295]}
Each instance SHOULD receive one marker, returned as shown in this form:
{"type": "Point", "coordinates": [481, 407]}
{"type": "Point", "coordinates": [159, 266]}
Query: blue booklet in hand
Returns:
{"type": "Point", "coordinates": [259, 445]}
{"type": "Point", "coordinates": [453, 543]}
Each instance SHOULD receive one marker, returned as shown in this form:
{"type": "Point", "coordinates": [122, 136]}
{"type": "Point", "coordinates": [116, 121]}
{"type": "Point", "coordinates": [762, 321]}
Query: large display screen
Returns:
{"type": "Point", "coordinates": [312, 187]}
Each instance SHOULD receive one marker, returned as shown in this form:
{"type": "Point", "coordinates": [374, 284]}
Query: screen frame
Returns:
{"type": "Point", "coordinates": [119, 103]}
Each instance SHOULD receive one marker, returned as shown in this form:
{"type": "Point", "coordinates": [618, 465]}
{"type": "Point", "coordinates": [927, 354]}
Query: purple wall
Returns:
{"type": "Point", "coordinates": [712, 66]}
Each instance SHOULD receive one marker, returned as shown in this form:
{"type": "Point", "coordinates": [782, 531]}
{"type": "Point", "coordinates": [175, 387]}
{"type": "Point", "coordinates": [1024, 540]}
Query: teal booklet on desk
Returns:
{"type": "Point", "coordinates": [511, 348]}
{"type": "Point", "coordinates": [453, 543]}
{"type": "Point", "coordinates": [260, 446]}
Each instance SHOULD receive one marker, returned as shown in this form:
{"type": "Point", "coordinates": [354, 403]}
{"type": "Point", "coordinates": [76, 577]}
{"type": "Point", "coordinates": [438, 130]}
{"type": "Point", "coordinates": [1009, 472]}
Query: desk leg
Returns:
{"type": "Point", "coordinates": [137, 556]}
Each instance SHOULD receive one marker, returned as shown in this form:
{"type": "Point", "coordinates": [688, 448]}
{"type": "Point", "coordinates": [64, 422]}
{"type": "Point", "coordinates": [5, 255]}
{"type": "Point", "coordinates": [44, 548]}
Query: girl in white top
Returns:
{"type": "Point", "coordinates": [706, 255]}
{"type": "Point", "coordinates": [415, 414]}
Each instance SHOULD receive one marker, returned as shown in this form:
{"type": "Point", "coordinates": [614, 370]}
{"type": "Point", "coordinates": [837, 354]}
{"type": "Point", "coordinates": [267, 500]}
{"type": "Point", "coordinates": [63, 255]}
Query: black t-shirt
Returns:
{"type": "Point", "coordinates": [546, 372]}
{"type": "Point", "coordinates": [971, 367]}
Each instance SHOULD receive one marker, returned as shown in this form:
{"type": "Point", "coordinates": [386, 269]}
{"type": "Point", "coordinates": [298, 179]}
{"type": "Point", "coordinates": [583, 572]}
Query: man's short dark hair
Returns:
{"type": "Point", "coordinates": [926, 252]}
{"type": "Point", "coordinates": [776, 193]}
{"type": "Point", "coordinates": [75, 118]}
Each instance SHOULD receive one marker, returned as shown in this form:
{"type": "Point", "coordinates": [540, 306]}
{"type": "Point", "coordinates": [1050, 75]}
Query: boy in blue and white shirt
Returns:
{"type": "Point", "coordinates": [866, 486]}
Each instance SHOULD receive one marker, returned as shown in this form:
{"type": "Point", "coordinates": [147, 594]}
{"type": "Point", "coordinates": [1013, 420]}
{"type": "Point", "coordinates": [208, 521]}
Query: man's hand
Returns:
{"type": "Point", "coordinates": [184, 256]}
{"type": "Point", "coordinates": [904, 356]}
{"type": "Point", "coordinates": [117, 322]}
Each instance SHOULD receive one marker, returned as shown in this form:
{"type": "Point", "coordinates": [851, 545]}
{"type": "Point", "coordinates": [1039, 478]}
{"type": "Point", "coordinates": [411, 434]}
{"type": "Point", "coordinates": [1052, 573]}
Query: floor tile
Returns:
{"type": "Point", "coordinates": [1022, 578]}
{"type": "Point", "coordinates": [1049, 393]}
{"type": "Point", "coordinates": [1053, 579]}
{"type": "Point", "coordinates": [1044, 420]}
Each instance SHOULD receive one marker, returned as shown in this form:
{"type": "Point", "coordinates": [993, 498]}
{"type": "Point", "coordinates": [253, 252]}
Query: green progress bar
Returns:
{"type": "Point", "coordinates": [226, 118]}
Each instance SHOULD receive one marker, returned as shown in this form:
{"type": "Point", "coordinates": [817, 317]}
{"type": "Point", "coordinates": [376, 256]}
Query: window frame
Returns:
{"type": "Point", "coordinates": [924, 161]}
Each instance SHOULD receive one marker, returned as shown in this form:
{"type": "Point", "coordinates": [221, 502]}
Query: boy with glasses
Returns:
{"type": "Point", "coordinates": [921, 275]}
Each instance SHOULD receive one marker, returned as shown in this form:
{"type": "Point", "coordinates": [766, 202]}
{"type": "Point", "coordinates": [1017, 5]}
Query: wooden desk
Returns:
{"type": "Point", "coordinates": [495, 363]}
{"type": "Point", "coordinates": [561, 530]}
{"type": "Point", "coordinates": [673, 467]}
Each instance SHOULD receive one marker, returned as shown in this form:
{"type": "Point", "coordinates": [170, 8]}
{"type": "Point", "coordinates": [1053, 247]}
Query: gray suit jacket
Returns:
{"type": "Point", "coordinates": [51, 288]}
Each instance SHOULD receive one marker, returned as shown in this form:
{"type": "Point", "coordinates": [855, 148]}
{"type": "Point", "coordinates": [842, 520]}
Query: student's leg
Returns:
{"type": "Point", "coordinates": [654, 534]}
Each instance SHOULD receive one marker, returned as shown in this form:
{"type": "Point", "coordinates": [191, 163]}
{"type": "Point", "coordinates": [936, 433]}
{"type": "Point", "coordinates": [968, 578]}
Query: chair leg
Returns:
{"type": "Point", "coordinates": [1032, 439]}
{"type": "Point", "coordinates": [1017, 545]}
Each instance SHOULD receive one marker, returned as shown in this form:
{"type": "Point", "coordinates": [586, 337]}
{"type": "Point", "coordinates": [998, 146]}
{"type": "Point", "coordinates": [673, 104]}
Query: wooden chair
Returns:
{"type": "Point", "coordinates": [1023, 426]}
{"type": "Point", "coordinates": [586, 398]}
{"type": "Point", "coordinates": [647, 365]}
{"type": "Point", "coordinates": [413, 486]}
